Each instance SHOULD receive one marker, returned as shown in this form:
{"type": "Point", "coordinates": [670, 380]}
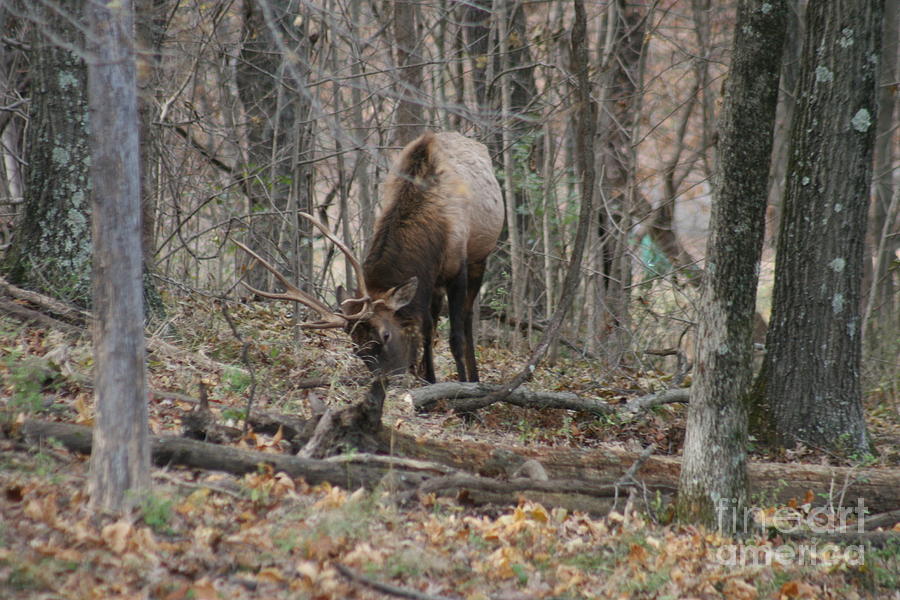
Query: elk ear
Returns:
{"type": "Point", "coordinates": [398, 297]}
{"type": "Point", "coordinates": [342, 294]}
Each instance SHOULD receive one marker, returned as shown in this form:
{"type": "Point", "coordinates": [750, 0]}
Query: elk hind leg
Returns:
{"type": "Point", "coordinates": [456, 300]}
{"type": "Point", "coordinates": [475, 275]}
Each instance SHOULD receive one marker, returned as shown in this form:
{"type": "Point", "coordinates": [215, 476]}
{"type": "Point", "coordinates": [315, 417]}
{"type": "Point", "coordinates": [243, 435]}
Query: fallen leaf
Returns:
{"type": "Point", "coordinates": [116, 535]}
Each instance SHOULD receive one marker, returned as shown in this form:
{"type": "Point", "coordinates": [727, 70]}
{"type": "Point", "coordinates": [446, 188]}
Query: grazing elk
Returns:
{"type": "Point", "coordinates": [442, 215]}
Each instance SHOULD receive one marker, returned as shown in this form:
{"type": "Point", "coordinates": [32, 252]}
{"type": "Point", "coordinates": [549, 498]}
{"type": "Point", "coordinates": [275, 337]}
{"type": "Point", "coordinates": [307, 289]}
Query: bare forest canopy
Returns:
{"type": "Point", "coordinates": [253, 111]}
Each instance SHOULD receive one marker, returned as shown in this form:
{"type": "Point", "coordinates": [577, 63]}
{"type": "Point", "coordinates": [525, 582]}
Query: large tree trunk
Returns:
{"type": "Point", "coordinates": [120, 460]}
{"type": "Point", "coordinates": [52, 247]}
{"type": "Point", "coordinates": [811, 374]}
{"type": "Point", "coordinates": [715, 450]}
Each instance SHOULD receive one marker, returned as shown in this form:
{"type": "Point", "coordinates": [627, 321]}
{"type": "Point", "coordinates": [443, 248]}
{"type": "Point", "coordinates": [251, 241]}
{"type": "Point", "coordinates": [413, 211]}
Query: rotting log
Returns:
{"type": "Point", "coordinates": [168, 451]}
{"type": "Point", "coordinates": [770, 483]}
{"type": "Point", "coordinates": [28, 315]}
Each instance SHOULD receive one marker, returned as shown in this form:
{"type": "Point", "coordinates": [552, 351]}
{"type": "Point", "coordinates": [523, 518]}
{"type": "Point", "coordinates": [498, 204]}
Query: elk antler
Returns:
{"type": "Point", "coordinates": [330, 319]}
{"type": "Point", "coordinates": [357, 268]}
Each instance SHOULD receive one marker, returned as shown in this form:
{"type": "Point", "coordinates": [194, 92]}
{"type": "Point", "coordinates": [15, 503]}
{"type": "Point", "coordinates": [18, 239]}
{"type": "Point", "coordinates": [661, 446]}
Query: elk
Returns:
{"type": "Point", "coordinates": [442, 213]}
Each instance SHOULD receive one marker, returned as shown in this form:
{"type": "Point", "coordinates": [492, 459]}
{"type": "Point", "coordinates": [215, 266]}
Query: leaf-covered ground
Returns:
{"type": "Point", "coordinates": [209, 535]}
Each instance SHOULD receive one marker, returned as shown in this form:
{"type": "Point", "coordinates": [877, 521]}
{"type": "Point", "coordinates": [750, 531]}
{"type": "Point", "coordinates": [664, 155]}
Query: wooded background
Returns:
{"type": "Point", "coordinates": [254, 110]}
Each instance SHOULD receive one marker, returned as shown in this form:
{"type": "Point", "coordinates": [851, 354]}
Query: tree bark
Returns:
{"type": "Point", "coordinates": [120, 461]}
{"type": "Point", "coordinates": [715, 449]}
{"type": "Point", "coordinates": [810, 382]}
{"type": "Point", "coordinates": [52, 247]}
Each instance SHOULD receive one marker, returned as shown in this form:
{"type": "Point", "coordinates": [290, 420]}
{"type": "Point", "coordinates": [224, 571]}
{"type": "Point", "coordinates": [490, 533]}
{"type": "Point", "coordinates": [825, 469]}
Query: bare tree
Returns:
{"type": "Point", "coordinates": [715, 452]}
{"type": "Point", "coordinates": [120, 459]}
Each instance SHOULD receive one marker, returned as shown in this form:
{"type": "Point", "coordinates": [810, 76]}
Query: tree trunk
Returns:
{"type": "Point", "coordinates": [52, 247]}
{"type": "Point", "coordinates": [367, 206]}
{"type": "Point", "coordinates": [271, 82]}
{"type": "Point", "coordinates": [787, 101]}
{"type": "Point", "coordinates": [409, 79]}
{"type": "Point", "coordinates": [883, 329]}
{"type": "Point", "coordinates": [811, 374]}
{"type": "Point", "coordinates": [149, 32]}
{"type": "Point", "coordinates": [622, 62]}
{"type": "Point", "coordinates": [13, 90]}
{"type": "Point", "coordinates": [714, 469]}
{"type": "Point", "coordinates": [510, 192]}
{"type": "Point", "coordinates": [120, 461]}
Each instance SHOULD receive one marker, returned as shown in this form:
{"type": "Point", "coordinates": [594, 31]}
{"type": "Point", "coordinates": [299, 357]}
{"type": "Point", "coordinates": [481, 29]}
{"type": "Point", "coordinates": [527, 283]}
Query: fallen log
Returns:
{"type": "Point", "coordinates": [672, 396]}
{"type": "Point", "coordinates": [876, 539]}
{"type": "Point", "coordinates": [467, 397]}
{"type": "Point", "coordinates": [167, 451]}
{"type": "Point", "coordinates": [52, 305]}
{"type": "Point", "coordinates": [553, 486]}
{"type": "Point", "coordinates": [403, 477]}
{"type": "Point", "coordinates": [354, 428]}
{"type": "Point", "coordinates": [27, 315]}
{"type": "Point", "coordinates": [770, 483]}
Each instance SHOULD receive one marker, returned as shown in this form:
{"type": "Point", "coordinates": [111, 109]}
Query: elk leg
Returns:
{"type": "Point", "coordinates": [456, 298]}
{"type": "Point", "coordinates": [426, 367]}
{"type": "Point", "coordinates": [473, 286]}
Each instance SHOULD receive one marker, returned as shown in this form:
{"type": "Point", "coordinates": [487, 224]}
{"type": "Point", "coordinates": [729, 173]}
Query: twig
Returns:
{"type": "Point", "coordinates": [384, 588]}
{"type": "Point", "coordinates": [670, 396]}
{"type": "Point", "coordinates": [628, 476]}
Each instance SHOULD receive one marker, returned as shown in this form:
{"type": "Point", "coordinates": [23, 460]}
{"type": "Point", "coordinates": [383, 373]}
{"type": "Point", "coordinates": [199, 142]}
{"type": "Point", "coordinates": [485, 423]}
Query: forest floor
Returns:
{"type": "Point", "coordinates": [210, 535]}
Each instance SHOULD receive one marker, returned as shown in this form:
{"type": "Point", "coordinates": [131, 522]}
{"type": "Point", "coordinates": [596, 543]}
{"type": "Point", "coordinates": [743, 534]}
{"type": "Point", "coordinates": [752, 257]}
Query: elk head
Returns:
{"type": "Point", "coordinates": [383, 341]}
